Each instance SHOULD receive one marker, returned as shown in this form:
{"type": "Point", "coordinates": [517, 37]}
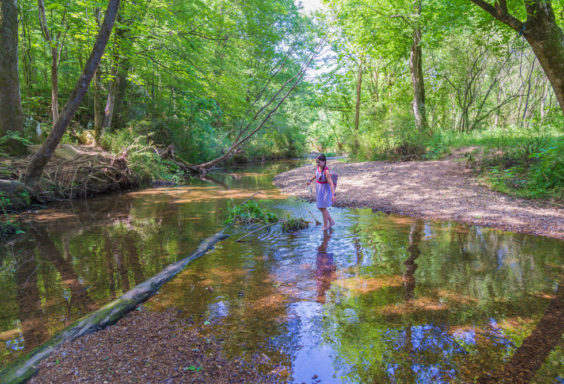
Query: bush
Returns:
{"type": "Point", "coordinates": [547, 174]}
{"type": "Point", "coordinates": [13, 144]}
{"type": "Point", "coordinates": [290, 224]}
{"type": "Point", "coordinates": [142, 159]}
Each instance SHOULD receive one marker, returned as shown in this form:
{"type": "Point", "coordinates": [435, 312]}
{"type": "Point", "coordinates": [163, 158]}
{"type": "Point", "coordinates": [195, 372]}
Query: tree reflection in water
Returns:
{"type": "Point", "coordinates": [531, 355]}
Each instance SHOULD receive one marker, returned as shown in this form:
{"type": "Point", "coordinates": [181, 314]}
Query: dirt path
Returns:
{"type": "Point", "coordinates": [444, 190]}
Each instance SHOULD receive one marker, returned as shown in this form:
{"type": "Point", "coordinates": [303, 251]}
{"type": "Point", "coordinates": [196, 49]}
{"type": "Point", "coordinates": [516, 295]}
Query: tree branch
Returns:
{"type": "Point", "coordinates": [499, 12]}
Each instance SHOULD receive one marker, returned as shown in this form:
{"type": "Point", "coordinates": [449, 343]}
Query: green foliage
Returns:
{"type": "Point", "coordinates": [291, 224]}
{"type": "Point", "coordinates": [521, 161]}
{"type": "Point", "coordinates": [8, 226]}
{"type": "Point", "coordinates": [194, 73]}
{"type": "Point", "coordinates": [13, 143]}
{"type": "Point", "coordinates": [548, 171]}
{"type": "Point", "coordinates": [250, 212]}
{"type": "Point", "coordinates": [531, 175]}
{"type": "Point", "coordinates": [142, 159]}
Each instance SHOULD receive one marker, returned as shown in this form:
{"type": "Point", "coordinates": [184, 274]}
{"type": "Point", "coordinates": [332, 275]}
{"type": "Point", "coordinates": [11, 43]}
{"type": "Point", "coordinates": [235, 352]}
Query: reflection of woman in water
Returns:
{"type": "Point", "coordinates": [325, 268]}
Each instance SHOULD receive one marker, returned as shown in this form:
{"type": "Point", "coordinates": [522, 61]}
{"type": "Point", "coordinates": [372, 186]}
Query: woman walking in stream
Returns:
{"type": "Point", "coordinates": [325, 190]}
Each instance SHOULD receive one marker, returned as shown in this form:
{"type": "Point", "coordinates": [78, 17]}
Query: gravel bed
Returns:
{"type": "Point", "coordinates": [148, 347]}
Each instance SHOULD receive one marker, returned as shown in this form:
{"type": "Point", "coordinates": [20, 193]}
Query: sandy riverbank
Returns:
{"type": "Point", "coordinates": [442, 190]}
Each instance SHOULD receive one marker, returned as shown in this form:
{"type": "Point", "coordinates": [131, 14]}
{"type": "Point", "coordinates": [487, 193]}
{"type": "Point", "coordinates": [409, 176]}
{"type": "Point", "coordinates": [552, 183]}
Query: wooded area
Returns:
{"type": "Point", "coordinates": [434, 277]}
{"type": "Point", "coordinates": [212, 81]}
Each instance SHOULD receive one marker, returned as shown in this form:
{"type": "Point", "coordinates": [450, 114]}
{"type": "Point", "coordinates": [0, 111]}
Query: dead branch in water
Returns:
{"type": "Point", "coordinates": [256, 230]}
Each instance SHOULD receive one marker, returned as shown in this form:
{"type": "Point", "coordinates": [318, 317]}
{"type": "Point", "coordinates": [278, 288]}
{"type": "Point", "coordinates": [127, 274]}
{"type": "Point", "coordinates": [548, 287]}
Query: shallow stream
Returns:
{"type": "Point", "coordinates": [379, 299]}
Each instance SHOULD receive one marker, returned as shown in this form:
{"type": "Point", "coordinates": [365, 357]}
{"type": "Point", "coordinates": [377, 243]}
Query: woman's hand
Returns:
{"type": "Point", "coordinates": [334, 197]}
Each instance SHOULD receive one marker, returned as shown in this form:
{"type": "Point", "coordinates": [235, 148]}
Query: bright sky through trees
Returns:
{"type": "Point", "coordinates": [310, 5]}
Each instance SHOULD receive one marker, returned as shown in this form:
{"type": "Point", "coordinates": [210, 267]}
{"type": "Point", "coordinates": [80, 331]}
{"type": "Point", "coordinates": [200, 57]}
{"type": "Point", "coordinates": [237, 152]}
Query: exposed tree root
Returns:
{"type": "Point", "coordinates": [74, 171]}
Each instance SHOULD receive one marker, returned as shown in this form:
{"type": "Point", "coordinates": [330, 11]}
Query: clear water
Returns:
{"type": "Point", "coordinates": [380, 299]}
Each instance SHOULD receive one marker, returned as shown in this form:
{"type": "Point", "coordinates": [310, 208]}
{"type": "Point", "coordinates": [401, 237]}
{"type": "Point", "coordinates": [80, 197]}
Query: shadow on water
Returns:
{"type": "Point", "coordinates": [535, 349]}
{"type": "Point", "coordinates": [380, 299]}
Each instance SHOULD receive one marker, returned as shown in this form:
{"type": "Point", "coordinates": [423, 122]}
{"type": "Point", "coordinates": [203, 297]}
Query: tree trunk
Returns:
{"type": "Point", "coordinates": [547, 41]}
{"type": "Point", "coordinates": [54, 48]}
{"type": "Point", "coordinates": [112, 87]}
{"type": "Point", "coordinates": [116, 94]}
{"type": "Point", "coordinates": [11, 114]}
{"type": "Point", "coordinates": [357, 107]}
{"type": "Point", "coordinates": [37, 163]}
{"type": "Point", "coordinates": [416, 67]}
{"type": "Point", "coordinates": [542, 33]}
{"type": "Point", "coordinates": [26, 53]}
{"type": "Point", "coordinates": [54, 85]}
{"type": "Point", "coordinates": [109, 109]}
{"type": "Point", "coordinates": [98, 111]}
{"type": "Point", "coordinates": [498, 110]}
{"type": "Point", "coordinates": [121, 89]}
{"type": "Point", "coordinates": [542, 110]}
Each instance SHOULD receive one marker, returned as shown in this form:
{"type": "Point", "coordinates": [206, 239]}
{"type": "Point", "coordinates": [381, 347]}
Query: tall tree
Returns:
{"type": "Point", "coordinates": [40, 159]}
{"type": "Point", "coordinates": [54, 43]}
{"type": "Point", "coordinates": [357, 106]}
{"type": "Point", "coordinates": [416, 67]}
{"type": "Point", "coordinates": [11, 114]}
{"type": "Point", "coordinates": [542, 33]}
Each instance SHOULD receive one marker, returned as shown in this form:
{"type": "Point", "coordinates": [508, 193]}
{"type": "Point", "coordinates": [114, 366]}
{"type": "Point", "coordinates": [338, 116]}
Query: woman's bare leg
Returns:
{"type": "Point", "coordinates": [330, 219]}
{"type": "Point", "coordinates": [325, 221]}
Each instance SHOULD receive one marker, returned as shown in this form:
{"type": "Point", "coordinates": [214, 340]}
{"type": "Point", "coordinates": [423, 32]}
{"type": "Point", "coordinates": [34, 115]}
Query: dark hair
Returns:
{"type": "Point", "coordinates": [321, 157]}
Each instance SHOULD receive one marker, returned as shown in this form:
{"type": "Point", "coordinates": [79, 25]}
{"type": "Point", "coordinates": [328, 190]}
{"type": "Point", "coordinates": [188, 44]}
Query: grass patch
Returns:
{"type": "Point", "coordinates": [526, 162]}
{"type": "Point", "coordinates": [291, 224]}
{"type": "Point", "coordinates": [532, 138]}
{"type": "Point", "coordinates": [249, 212]}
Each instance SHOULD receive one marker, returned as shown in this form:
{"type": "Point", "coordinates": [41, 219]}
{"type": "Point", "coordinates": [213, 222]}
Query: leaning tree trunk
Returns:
{"type": "Point", "coordinates": [38, 161]}
{"type": "Point", "coordinates": [547, 41]}
{"type": "Point", "coordinates": [416, 67]}
{"type": "Point", "coordinates": [241, 138]}
{"type": "Point", "coordinates": [543, 34]}
{"type": "Point", "coordinates": [11, 114]}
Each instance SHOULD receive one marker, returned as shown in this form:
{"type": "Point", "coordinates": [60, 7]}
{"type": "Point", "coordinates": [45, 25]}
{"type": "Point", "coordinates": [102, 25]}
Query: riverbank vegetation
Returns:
{"type": "Point", "coordinates": [203, 82]}
{"type": "Point", "coordinates": [419, 79]}
{"type": "Point", "coordinates": [182, 87]}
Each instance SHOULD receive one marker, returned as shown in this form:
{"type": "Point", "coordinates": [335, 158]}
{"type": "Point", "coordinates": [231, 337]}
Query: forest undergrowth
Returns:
{"type": "Point", "coordinates": [525, 161]}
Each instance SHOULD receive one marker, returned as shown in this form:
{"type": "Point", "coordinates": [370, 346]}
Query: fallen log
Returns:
{"type": "Point", "coordinates": [25, 367]}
